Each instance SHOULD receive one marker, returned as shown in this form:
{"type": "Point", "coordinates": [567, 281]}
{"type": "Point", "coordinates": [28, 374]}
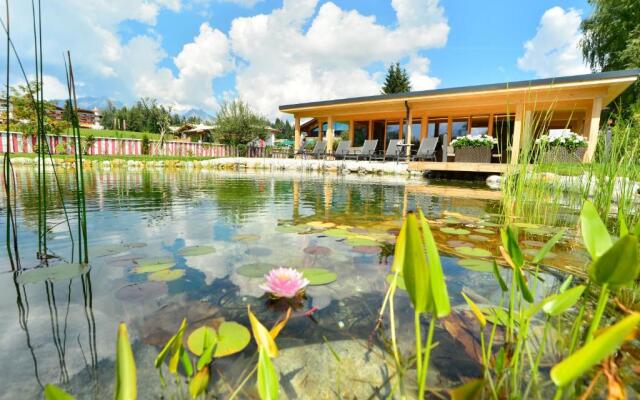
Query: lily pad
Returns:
{"type": "Point", "coordinates": [459, 243]}
{"type": "Point", "coordinates": [485, 231]}
{"type": "Point", "coordinates": [338, 233]}
{"type": "Point", "coordinates": [143, 269]}
{"type": "Point", "coordinates": [200, 339]}
{"type": "Point", "coordinates": [196, 250]}
{"type": "Point", "coordinates": [317, 250]}
{"type": "Point", "coordinates": [455, 231]}
{"type": "Point", "coordinates": [399, 282]}
{"type": "Point", "coordinates": [232, 338]}
{"type": "Point", "coordinates": [113, 249]}
{"type": "Point", "coordinates": [478, 238]}
{"type": "Point", "coordinates": [321, 224]}
{"type": "Point", "coordinates": [258, 251]}
{"type": "Point", "coordinates": [291, 228]}
{"type": "Point", "coordinates": [153, 261]}
{"type": "Point", "coordinates": [358, 241]}
{"type": "Point", "coordinates": [473, 251]}
{"type": "Point", "coordinates": [255, 270]}
{"type": "Point", "coordinates": [246, 238]}
{"type": "Point", "coordinates": [476, 265]}
{"type": "Point", "coordinates": [54, 273]}
{"type": "Point", "coordinates": [319, 276]}
{"type": "Point", "coordinates": [166, 275]}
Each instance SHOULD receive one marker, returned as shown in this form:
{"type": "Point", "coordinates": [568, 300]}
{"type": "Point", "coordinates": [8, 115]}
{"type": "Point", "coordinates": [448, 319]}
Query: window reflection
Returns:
{"type": "Point", "coordinates": [479, 125]}
{"type": "Point", "coordinates": [360, 133]}
{"type": "Point", "coordinates": [459, 127]}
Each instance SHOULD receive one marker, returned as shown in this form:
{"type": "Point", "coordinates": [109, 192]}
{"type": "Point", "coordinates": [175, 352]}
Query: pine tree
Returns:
{"type": "Point", "coordinates": [397, 80]}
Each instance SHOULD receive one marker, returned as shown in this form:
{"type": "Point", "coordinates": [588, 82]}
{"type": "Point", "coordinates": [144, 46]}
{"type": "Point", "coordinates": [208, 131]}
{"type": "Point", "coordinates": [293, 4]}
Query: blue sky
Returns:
{"type": "Point", "coordinates": [197, 53]}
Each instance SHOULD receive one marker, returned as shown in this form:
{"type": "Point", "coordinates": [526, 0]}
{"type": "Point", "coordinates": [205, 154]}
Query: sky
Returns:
{"type": "Point", "coordinates": [200, 53]}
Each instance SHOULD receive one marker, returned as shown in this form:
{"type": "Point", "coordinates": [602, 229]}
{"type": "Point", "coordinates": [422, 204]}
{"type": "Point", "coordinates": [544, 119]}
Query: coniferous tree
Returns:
{"type": "Point", "coordinates": [397, 80]}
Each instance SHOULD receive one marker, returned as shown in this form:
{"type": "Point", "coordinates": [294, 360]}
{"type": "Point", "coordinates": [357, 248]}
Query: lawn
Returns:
{"type": "Point", "coordinates": [113, 157]}
{"type": "Point", "coordinates": [121, 134]}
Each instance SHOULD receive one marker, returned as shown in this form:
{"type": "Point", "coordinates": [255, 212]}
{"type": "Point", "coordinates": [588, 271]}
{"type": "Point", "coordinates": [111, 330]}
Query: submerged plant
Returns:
{"type": "Point", "coordinates": [285, 283]}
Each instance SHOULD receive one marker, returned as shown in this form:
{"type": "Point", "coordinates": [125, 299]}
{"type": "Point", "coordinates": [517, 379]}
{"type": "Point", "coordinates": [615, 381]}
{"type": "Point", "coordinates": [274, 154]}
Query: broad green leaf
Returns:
{"type": "Point", "coordinates": [196, 250]}
{"type": "Point", "coordinates": [186, 363]}
{"type": "Point", "coordinates": [522, 285]}
{"type": "Point", "coordinates": [166, 275]}
{"type": "Point", "coordinates": [509, 236]}
{"type": "Point", "coordinates": [125, 367]}
{"type": "Point", "coordinates": [619, 265]}
{"type": "Point", "coordinates": [53, 273]}
{"type": "Point", "coordinates": [200, 339]}
{"type": "Point", "coordinates": [565, 285]}
{"type": "Point", "coordinates": [496, 273]}
{"type": "Point", "coordinates": [143, 269]}
{"type": "Point", "coordinates": [561, 302]}
{"type": "Point", "coordinates": [476, 311]}
{"type": "Point", "coordinates": [436, 278]}
{"type": "Point", "coordinates": [319, 276]}
{"type": "Point", "coordinates": [473, 251]}
{"type": "Point", "coordinates": [199, 383]}
{"type": "Point", "coordinates": [177, 348]}
{"type": "Point", "coordinates": [594, 232]}
{"type": "Point", "coordinates": [255, 270]}
{"type": "Point", "coordinates": [268, 386]}
{"type": "Point", "coordinates": [399, 281]}
{"type": "Point", "coordinates": [414, 271]}
{"type": "Point", "coordinates": [207, 356]}
{"type": "Point", "coordinates": [401, 244]}
{"type": "Point", "coordinates": [593, 353]}
{"type": "Point", "coordinates": [52, 392]}
{"type": "Point", "coordinates": [470, 390]}
{"type": "Point", "coordinates": [476, 265]}
{"type": "Point", "coordinates": [455, 231]}
{"type": "Point", "coordinates": [624, 229]}
{"type": "Point", "coordinates": [231, 338]}
{"type": "Point", "coordinates": [262, 336]}
{"type": "Point", "coordinates": [548, 246]}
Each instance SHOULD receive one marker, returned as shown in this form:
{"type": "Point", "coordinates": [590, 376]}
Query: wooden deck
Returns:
{"type": "Point", "coordinates": [457, 167]}
{"type": "Point", "coordinates": [448, 191]}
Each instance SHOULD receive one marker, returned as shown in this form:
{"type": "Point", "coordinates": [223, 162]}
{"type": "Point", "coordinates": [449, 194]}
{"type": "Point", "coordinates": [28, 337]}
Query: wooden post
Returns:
{"type": "Point", "coordinates": [351, 132]}
{"type": "Point", "coordinates": [320, 133]}
{"type": "Point", "coordinates": [517, 133]}
{"type": "Point", "coordinates": [297, 139]}
{"type": "Point", "coordinates": [409, 126]}
{"type": "Point", "coordinates": [424, 127]}
{"type": "Point", "coordinates": [445, 150]}
{"type": "Point", "coordinates": [592, 127]}
{"type": "Point", "coordinates": [490, 126]}
{"type": "Point", "coordinates": [370, 133]}
{"type": "Point", "coordinates": [330, 134]}
{"type": "Point", "coordinates": [401, 126]}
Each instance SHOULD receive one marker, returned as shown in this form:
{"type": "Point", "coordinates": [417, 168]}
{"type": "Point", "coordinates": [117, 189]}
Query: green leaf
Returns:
{"type": "Point", "coordinates": [510, 242]}
{"type": "Point", "coordinates": [196, 250]}
{"type": "Point", "coordinates": [548, 246]}
{"type": "Point", "coordinates": [476, 311]}
{"type": "Point", "coordinates": [565, 285]}
{"type": "Point", "coordinates": [143, 269]}
{"type": "Point", "coordinates": [415, 273]}
{"type": "Point", "coordinates": [561, 302]}
{"type": "Point", "coordinates": [455, 231]}
{"type": "Point", "coordinates": [255, 270]}
{"type": "Point", "coordinates": [595, 236]}
{"type": "Point", "coordinates": [154, 260]}
{"type": "Point", "coordinates": [200, 339]}
{"type": "Point", "coordinates": [636, 230]}
{"type": "Point", "coordinates": [619, 264]}
{"type": "Point", "coordinates": [400, 249]}
{"type": "Point", "coordinates": [268, 386]}
{"type": "Point", "coordinates": [591, 354]}
{"type": "Point", "coordinates": [436, 278]}
{"type": "Point", "coordinates": [319, 276]}
{"type": "Point", "coordinates": [207, 356]}
{"type": "Point", "coordinates": [232, 338]}
{"type": "Point", "coordinates": [473, 251]}
{"type": "Point", "coordinates": [53, 273]}
{"type": "Point", "coordinates": [186, 363]}
{"type": "Point", "coordinates": [166, 275]}
{"type": "Point", "coordinates": [470, 390]}
{"type": "Point", "coordinates": [624, 229]}
{"type": "Point", "coordinates": [125, 367]}
{"type": "Point", "coordinates": [496, 273]}
{"type": "Point", "coordinates": [173, 346]}
{"type": "Point", "coordinates": [399, 282]}
{"type": "Point", "coordinates": [199, 383]}
{"type": "Point", "coordinates": [476, 265]}
{"type": "Point", "coordinates": [52, 392]}
{"type": "Point", "coordinates": [522, 285]}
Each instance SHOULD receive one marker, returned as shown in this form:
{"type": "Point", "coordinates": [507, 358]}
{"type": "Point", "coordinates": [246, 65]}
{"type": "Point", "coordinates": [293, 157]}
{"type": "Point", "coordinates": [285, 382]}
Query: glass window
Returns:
{"type": "Point", "coordinates": [437, 127]}
{"type": "Point", "coordinates": [415, 134]}
{"type": "Point", "coordinates": [393, 132]}
{"type": "Point", "coordinates": [479, 125]}
{"type": "Point", "coordinates": [459, 127]}
{"type": "Point", "coordinates": [360, 133]}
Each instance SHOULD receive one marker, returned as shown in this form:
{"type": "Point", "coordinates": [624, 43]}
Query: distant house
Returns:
{"type": "Point", "coordinates": [192, 132]}
{"type": "Point", "coordinates": [87, 118]}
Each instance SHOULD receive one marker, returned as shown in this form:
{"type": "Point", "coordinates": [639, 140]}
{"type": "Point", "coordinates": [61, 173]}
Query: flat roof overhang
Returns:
{"type": "Point", "coordinates": [575, 92]}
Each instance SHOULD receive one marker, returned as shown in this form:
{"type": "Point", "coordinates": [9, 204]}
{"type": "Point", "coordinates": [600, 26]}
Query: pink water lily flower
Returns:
{"type": "Point", "coordinates": [284, 282]}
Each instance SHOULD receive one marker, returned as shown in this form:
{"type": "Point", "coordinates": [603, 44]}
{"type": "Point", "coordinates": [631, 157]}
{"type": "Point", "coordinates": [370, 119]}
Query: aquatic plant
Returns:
{"type": "Point", "coordinates": [284, 283]}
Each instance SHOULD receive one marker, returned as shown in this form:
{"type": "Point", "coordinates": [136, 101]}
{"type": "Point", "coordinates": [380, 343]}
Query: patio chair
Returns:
{"type": "Point", "coordinates": [392, 153]}
{"type": "Point", "coordinates": [427, 149]}
{"type": "Point", "coordinates": [342, 151]}
{"type": "Point", "coordinates": [319, 150]}
{"type": "Point", "coordinates": [367, 150]}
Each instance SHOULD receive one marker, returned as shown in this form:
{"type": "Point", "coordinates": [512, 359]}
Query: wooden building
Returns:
{"type": "Point", "coordinates": [506, 111]}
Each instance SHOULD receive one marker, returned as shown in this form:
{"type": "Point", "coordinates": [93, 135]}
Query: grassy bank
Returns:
{"type": "Point", "coordinates": [109, 133]}
{"type": "Point", "coordinates": [116, 157]}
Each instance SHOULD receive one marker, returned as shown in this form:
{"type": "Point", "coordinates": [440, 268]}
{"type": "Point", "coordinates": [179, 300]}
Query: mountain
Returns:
{"type": "Point", "coordinates": [91, 102]}
{"type": "Point", "coordinates": [199, 113]}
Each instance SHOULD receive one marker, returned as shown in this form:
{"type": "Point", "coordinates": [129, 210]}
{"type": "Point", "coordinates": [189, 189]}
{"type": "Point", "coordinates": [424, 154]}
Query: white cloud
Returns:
{"type": "Point", "coordinates": [54, 89]}
{"type": "Point", "coordinates": [281, 62]}
{"type": "Point", "coordinates": [243, 3]}
{"type": "Point", "coordinates": [554, 50]}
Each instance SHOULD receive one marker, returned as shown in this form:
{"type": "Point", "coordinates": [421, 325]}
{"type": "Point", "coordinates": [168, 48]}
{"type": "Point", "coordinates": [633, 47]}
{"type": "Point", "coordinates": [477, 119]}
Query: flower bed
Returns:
{"type": "Point", "coordinates": [561, 147]}
{"type": "Point", "coordinates": [475, 149]}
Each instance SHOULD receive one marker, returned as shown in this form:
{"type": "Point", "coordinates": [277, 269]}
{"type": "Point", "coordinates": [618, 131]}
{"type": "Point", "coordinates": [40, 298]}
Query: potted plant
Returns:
{"type": "Point", "coordinates": [473, 148]}
{"type": "Point", "coordinates": [561, 147]}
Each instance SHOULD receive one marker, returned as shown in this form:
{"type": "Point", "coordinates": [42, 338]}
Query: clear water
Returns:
{"type": "Point", "coordinates": [64, 332]}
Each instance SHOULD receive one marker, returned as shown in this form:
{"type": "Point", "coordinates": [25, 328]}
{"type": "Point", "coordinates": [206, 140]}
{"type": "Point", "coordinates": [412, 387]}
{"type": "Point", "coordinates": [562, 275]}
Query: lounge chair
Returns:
{"type": "Point", "coordinates": [342, 151]}
{"type": "Point", "coordinates": [427, 149]}
{"type": "Point", "coordinates": [392, 153]}
{"type": "Point", "coordinates": [319, 150]}
{"type": "Point", "coordinates": [367, 150]}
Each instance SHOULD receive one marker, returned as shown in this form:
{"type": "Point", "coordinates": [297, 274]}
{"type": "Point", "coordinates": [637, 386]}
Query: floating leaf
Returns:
{"type": "Point", "coordinates": [358, 241]}
{"type": "Point", "coordinates": [166, 275]}
{"type": "Point", "coordinates": [399, 282]}
{"type": "Point", "coordinates": [317, 250]}
{"type": "Point", "coordinates": [321, 224]}
{"type": "Point", "coordinates": [53, 273]}
{"type": "Point", "coordinates": [125, 367]}
{"type": "Point", "coordinates": [618, 265]}
{"type": "Point", "coordinates": [338, 233]}
{"type": "Point", "coordinates": [153, 267]}
{"type": "Point", "coordinates": [231, 338]}
{"type": "Point", "coordinates": [153, 261]}
{"type": "Point", "coordinates": [319, 276]}
{"type": "Point", "coordinates": [245, 238]}
{"type": "Point", "coordinates": [291, 228]}
{"type": "Point", "coordinates": [455, 231]}
{"type": "Point", "coordinates": [199, 383]}
{"type": "Point", "coordinates": [196, 250]}
{"type": "Point", "coordinates": [476, 265]}
{"type": "Point", "coordinates": [113, 249]}
{"type": "Point", "coordinates": [52, 392]}
{"type": "Point", "coordinates": [484, 230]}
{"type": "Point", "coordinates": [258, 251]}
{"type": "Point", "coordinates": [473, 251]}
{"type": "Point", "coordinates": [594, 232]}
{"type": "Point", "coordinates": [200, 339]}
{"type": "Point", "coordinates": [591, 354]}
{"type": "Point", "coordinates": [255, 270]}
{"type": "Point", "coordinates": [478, 238]}
{"type": "Point", "coordinates": [459, 243]}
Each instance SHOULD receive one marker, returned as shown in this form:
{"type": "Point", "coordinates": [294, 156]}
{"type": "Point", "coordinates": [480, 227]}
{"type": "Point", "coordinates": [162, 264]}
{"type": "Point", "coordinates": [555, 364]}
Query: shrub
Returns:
{"type": "Point", "coordinates": [145, 144]}
{"type": "Point", "coordinates": [473, 141]}
{"type": "Point", "coordinates": [566, 139]}
{"type": "Point", "coordinates": [61, 148]}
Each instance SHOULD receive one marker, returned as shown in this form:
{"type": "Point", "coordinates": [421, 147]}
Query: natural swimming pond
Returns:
{"type": "Point", "coordinates": [168, 245]}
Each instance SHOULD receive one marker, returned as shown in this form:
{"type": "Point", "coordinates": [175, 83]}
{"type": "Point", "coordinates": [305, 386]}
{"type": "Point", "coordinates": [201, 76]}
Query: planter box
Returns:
{"type": "Point", "coordinates": [559, 154]}
{"type": "Point", "coordinates": [480, 154]}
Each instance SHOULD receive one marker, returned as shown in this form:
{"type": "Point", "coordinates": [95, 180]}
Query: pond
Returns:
{"type": "Point", "coordinates": [147, 271]}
